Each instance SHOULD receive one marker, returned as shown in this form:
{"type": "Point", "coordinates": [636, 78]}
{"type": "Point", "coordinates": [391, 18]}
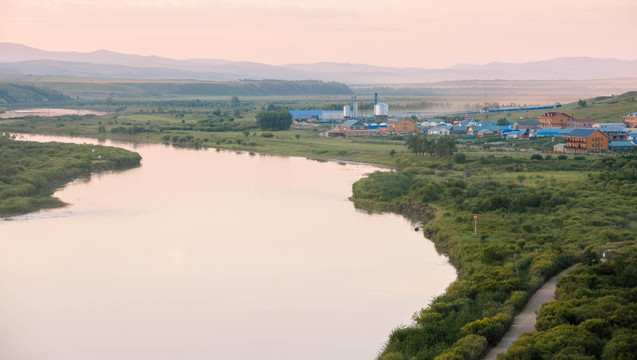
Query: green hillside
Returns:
{"type": "Point", "coordinates": [134, 89]}
{"type": "Point", "coordinates": [16, 93]}
{"type": "Point", "coordinates": [601, 109]}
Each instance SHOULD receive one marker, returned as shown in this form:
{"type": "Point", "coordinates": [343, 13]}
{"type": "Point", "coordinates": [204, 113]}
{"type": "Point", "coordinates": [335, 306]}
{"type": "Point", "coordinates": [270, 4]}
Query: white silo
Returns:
{"type": "Point", "coordinates": [347, 112]}
{"type": "Point", "coordinates": [381, 111]}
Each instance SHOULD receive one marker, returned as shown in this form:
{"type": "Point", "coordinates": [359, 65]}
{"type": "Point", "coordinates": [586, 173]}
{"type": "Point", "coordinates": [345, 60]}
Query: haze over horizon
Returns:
{"type": "Point", "coordinates": [396, 33]}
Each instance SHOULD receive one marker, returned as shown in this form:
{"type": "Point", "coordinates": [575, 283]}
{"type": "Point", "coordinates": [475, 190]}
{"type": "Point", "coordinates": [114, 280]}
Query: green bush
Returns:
{"type": "Point", "coordinates": [470, 347]}
{"type": "Point", "coordinates": [460, 158]}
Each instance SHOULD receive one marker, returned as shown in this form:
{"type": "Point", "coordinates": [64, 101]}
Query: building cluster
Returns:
{"type": "Point", "coordinates": [354, 128]}
{"type": "Point", "coordinates": [573, 135]}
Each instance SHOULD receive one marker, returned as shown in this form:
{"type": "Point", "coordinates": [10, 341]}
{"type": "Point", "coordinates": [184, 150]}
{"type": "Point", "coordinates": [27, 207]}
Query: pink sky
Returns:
{"type": "Point", "coordinates": [405, 33]}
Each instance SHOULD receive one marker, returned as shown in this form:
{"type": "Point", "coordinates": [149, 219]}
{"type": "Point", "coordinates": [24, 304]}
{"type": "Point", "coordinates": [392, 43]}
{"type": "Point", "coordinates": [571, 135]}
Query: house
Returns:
{"type": "Point", "coordinates": [559, 148]}
{"type": "Point", "coordinates": [402, 126]}
{"type": "Point", "coordinates": [351, 128]}
{"type": "Point", "coordinates": [622, 146]}
{"type": "Point", "coordinates": [485, 132]}
{"type": "Point", "coordinates": [458, 130]}
{"type": "Point", "coordinates": [615, 133]}
{"type": "Point", "coordinates": [510, 133]}
{"type": "Point", "coordinates": [631, 120]}
{"type": "Point", "coordinates": [582, 123]}
{"type": "Point", "coordinates": [439, 130]}
{"type": "Point", "coordinates": [526, 133]}
{"type": "Point", "coordinates": [352, 125]}
{"type": "Point", "coordinates": [465, 123]}
{"type": "Point", "coordinates": [553, 132]}
{"type": "Point", "coordinates": [533, 124]}
{"type": "Point", "coordinates": [473, 130]}
{"type": "Point", "coordinates": [587, 140]}
{"type": "Point", "coordinates": [555, 119]}
{"type": "Point", "coordinates": [605, 125]}
{"type": "Point", "coordinates": [432, 122]}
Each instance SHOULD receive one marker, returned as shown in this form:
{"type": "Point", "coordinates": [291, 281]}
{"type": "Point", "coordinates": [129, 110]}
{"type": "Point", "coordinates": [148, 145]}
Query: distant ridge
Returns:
{"type": "Point", "coordinates": [24, 60]}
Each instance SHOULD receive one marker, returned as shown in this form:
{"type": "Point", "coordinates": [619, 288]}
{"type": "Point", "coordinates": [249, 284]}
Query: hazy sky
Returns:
{"type": "Point", "coordinates": [406, 33]}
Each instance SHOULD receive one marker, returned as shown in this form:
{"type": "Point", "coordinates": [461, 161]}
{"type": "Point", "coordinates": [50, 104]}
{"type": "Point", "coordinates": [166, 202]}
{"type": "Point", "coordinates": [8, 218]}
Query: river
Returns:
{"type": "Point", "coordinates": [204, 254]}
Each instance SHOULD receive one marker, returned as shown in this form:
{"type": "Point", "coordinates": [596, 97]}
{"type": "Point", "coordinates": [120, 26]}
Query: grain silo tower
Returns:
{"type": "Point", "coordinates": [347, 112]}
{"type": "Point", "coordinates": [381, 111]}
{"type": "Point", "coordinates": [354, 108]}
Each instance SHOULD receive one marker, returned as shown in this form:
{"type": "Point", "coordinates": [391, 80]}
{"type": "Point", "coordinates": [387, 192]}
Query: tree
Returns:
{"type": "Point", "coordinates": [581, 103]}
{"type": "Point", "coordinates": [444, 146]}
{"type": "Point", "coordinates": [234, 100]}
{"type": "Point", "coordinates": [418, 143]}
{"type": "Point", "coordinates": [274, 119]}
{"type": "Point", "coordinates": [503, 122]}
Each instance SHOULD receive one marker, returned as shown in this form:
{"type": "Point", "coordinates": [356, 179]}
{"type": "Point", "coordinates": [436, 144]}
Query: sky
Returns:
{"type": "Point", "coordinates": [399, 33]}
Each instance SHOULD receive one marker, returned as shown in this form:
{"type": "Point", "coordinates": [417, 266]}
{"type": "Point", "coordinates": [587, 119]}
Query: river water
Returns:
{"type": "Point", "coordinates": [204, 254]}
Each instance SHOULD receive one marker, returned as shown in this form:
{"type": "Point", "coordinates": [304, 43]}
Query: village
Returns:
{"type": "Point", "coordinates": [570, 135]}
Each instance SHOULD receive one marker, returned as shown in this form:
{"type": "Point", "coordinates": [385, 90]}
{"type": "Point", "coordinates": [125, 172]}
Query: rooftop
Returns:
{"type": "Point", "coordinates": [582, 132]}
{"type": "Point", "coordinates": [621, 143]}
{"type": "Point", "coordinates": [352, 123]}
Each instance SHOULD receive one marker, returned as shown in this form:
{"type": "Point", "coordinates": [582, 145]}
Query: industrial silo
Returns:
{"type": "Point", "coordinates": [381, 111]}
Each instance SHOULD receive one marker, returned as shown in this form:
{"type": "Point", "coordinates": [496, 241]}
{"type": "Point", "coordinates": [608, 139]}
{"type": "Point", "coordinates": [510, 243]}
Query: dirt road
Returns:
{"type": "Point", "coordinates": [525, 320]}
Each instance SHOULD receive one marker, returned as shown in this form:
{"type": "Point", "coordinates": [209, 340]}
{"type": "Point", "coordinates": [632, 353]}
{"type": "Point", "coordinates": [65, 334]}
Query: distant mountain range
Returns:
{"type": "Point", "coordinates": [24, 60]}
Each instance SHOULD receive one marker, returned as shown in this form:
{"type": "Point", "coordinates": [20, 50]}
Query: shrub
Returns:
{"type": "Point", "coordinates": [460, 158]}
{"type": "Point", "coordinates": [469, 347]}
{"type": "Point", "coordinates": [490, 328]}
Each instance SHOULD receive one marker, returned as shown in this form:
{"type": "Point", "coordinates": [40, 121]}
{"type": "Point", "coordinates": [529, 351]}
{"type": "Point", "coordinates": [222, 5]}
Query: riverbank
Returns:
{"type": "Point", "coordinates": [30, 172]}
{"type": "Point", "coordinates": [535, 218]}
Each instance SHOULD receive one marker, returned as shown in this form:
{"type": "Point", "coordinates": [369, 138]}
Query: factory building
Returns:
{"type": "Point", "coordinates": [313, 116]}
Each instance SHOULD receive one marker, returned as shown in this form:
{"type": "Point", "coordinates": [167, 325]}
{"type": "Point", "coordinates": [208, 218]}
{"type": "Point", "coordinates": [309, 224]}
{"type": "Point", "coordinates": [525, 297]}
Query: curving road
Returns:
{"type": "Point", "coordinates": [525, 320]}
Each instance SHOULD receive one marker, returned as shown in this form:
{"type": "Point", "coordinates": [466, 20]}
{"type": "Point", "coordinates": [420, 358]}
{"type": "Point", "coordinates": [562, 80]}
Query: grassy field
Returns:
{"type": "Point", "coordinates": [600, 109]}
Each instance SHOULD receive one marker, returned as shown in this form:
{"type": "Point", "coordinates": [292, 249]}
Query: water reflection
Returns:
{"type": "Point", "coordinates": [205, 255]}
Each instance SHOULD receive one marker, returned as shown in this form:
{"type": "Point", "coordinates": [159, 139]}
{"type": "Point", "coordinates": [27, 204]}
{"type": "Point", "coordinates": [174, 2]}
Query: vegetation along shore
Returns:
{"type": "Point", "coordinates": [30, 171]}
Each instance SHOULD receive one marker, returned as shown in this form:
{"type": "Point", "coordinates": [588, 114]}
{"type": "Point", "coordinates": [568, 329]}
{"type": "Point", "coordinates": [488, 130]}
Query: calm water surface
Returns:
{"type": "Point", "coordinates": [211, 255]}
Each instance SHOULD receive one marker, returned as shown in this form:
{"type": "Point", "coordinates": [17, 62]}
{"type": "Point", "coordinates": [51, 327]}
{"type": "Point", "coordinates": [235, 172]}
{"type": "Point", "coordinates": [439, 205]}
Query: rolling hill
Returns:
{"type": "Point", "coordinates": [23, 60]}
